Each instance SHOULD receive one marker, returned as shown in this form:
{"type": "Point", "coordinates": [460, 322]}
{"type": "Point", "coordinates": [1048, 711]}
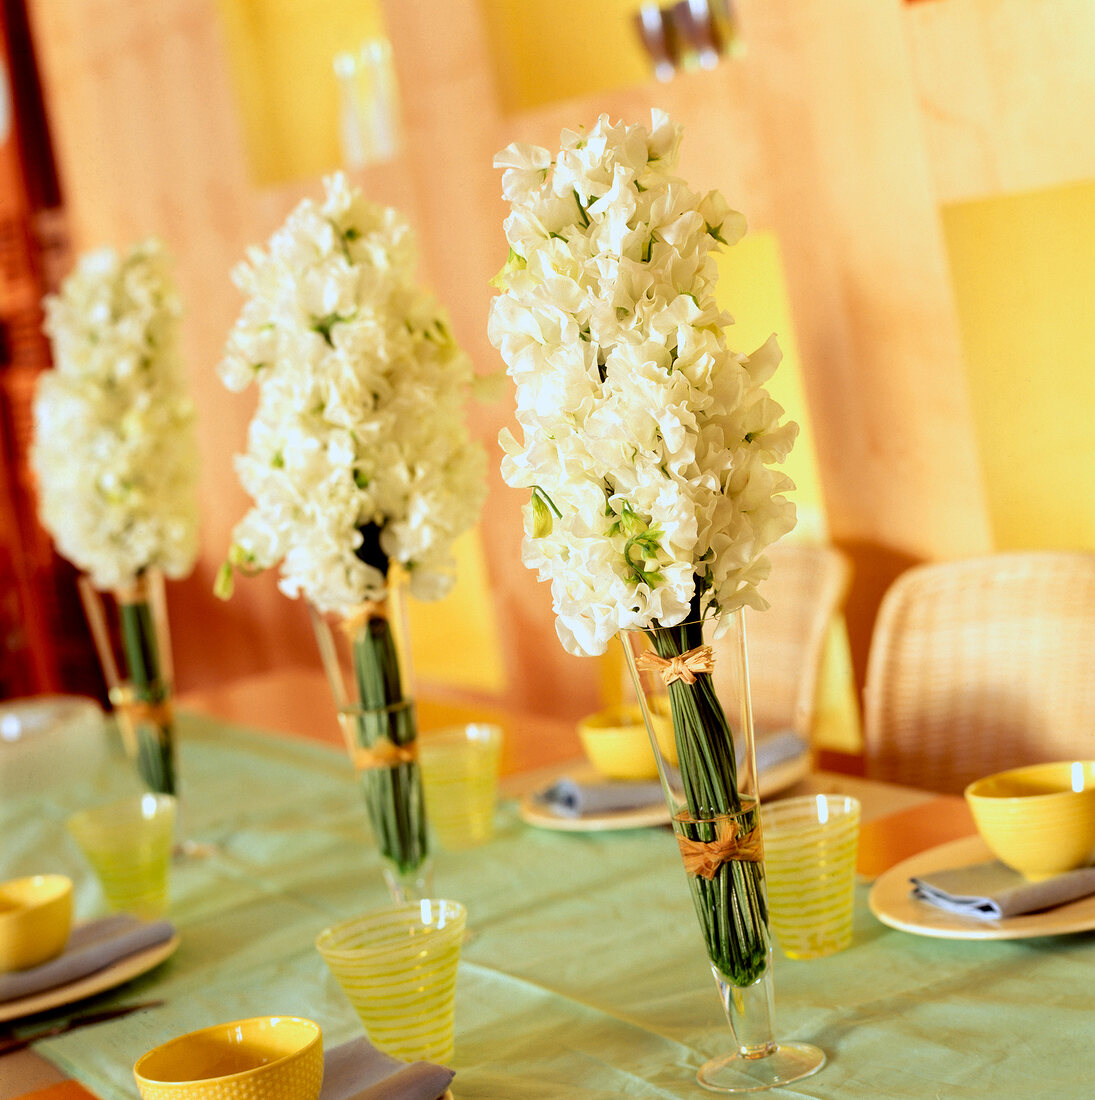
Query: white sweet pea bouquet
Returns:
{"type": "Point", "coordinates": [647, 442]}
{"type": "Point", "coordinates": [114, 450]}
{"type": "Point", "coordinates": [115, 456]}
{"type": "Point", "coordinates": [359, 463]}
{"type": "Point", "coordinates": [358, 455]}
{"type": "Point", "coordinates": [648, 447]}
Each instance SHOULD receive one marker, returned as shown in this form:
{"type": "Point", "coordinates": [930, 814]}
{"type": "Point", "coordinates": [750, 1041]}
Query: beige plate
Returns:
{"type": "Point", "coordinates": [892, 902]}
{"type": "Point", "coordinates": [772, 781]}
{"type": "Point", "coordinates": [110, 976]}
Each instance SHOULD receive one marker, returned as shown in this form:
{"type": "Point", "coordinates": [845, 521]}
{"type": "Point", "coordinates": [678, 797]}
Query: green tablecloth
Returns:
{"type": "Point", "coordinates": [584, 976]}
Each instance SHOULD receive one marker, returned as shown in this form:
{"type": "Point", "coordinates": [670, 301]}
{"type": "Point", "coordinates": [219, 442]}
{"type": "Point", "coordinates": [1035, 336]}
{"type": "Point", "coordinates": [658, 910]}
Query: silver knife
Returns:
{"type": "Point", "coordinates": [10, 1044]}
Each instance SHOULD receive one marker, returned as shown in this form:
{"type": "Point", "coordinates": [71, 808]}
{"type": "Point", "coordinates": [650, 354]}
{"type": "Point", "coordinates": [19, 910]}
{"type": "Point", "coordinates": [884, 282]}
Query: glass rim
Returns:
{"type": "Point", "coordinates": [707, 619]}
{"type": "Point", "coordinates": [453, 912]}
{"type": "Point", "coordinates": [163, 800]}
{"type": "Point", "coordinates": [465, 733]}
{"type": "Point", "coordinates": [844, 805]}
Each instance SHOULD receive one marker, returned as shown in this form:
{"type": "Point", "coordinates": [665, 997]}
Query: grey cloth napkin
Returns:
{"type": "Point", "coordinates": [569, 798]}
{"type": "Point", "coordinates": [91, 947]}
{"type": "Point", "coordinates": [991, 891]}
{"type": "Point", "coordinates": [778, 747]}
{"type": "Point", "coordinates": [358, 1071]}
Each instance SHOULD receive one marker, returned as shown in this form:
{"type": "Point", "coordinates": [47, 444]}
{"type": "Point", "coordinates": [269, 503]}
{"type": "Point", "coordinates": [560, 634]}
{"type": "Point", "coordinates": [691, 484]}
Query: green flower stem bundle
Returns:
{"type": "Point", "coordinates": [147, 709]}
{"type": "Point", "coordinates": [731, 905]}
{"type": "Point", "coordinates": [385, 727]}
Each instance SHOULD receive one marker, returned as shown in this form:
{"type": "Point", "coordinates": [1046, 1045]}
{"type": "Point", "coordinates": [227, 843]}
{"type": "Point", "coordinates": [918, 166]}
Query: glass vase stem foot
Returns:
{"type": "Point", "coordinates": [760, 1062]}
{"type": "Point", "coordinates": [781, 1064]}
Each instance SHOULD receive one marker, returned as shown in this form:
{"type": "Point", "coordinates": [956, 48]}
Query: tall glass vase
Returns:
{"type": "Point", "coordinates": [368, 666]}
{"type": "Point", "coordinates": [698, 673]}
{"type": "Point", "coordinates": [130, 630]}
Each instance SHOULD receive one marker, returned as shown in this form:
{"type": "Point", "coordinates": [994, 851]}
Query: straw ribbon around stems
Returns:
{"type": "Point", "coordinates": [704, 858]}
{"type": "Point", "coordinates": [140, 710]}
{"type": "Point", "coordinates": [683, 666]}
{"type": "Point", "coordinates": [383, 753]}
{"type": "Point", "coordinates": [362, 614]}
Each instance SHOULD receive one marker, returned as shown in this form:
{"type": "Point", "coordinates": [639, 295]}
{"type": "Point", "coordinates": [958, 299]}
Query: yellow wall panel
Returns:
{"type": "Point", "coordinates": [752, 289]}
{"type": "Point", "coordinates": [1023, 269]}
{"type": "Point", "coordinates": [455, 641]}
{"type": "Point", "coordinates": [282, 55]}
{"type": "Point", "coordinates": [546, 52]}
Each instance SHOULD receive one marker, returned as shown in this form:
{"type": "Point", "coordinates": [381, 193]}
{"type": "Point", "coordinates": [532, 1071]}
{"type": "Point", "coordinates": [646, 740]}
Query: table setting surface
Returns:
{"type": "Point", "coordinates": [583, 974]}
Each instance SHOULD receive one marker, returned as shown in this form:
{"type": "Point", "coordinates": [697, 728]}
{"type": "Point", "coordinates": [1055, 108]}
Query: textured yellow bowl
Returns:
{"type": "Point", "coordinates": [618, 746]}
{"type": "Point", "coordinates": [272, 1057]}
{"type": "Point", "coordinates": [1039, 820]}
{"type": "Point", "coordinates": [35, 918]}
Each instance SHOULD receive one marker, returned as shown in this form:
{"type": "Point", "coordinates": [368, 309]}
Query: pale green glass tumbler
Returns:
{"type": "Point", "coordinates": [128, 844]}
{"type": "Point", "coordinates": [459, 768]}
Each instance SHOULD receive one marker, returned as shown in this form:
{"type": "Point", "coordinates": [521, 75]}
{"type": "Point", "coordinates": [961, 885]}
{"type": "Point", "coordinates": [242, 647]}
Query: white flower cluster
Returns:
{"type": "Point", "coordinates": [647, 442]}
{"type": "Point", "coordinates": [114, 449]}
{"type": "Point", "coordinates": [358, 455]}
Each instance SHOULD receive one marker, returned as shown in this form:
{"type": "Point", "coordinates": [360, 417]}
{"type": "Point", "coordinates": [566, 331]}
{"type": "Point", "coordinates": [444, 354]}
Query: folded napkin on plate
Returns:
{"type": "Point", "coordinates": [778, 747]}
{"type": "Point", "coordinates": [358, 1071]}
{"type": "Point", "coordinates": [91, 946]}
{"type": "Point", "coordinates": [569, 798]}
{"type": "Point", "coordinates": [990, 891]}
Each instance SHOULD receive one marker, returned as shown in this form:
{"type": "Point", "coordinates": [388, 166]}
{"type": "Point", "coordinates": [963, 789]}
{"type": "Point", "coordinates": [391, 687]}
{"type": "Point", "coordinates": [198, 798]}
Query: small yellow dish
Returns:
{"type": "Point", "coordinates": [618, 746]}
{"type": "Point", "coordinates": [1039, 820]}
{"type": "Point", "coordinates": [35, 919]}
{"type": "Point", "coordinates": [275, 1057]}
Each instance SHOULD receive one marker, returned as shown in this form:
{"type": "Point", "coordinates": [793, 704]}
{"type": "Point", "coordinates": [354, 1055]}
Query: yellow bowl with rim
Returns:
{"type": "Point", "coordinates": [275, 1057]}
{"type": "Point", "coordinates": [618, 746]}
{"type": "Point", "coordinates": [35, 920]}
{"type": "Point", "coordinates": [1039, 819]}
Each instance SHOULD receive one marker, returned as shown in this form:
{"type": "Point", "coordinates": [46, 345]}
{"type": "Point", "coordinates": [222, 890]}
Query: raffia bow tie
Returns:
{"type": "Point", "coordinates": [362, 614]}
{"type": "Point", "coordinates": [383, 753]}
{"type": "Point", "coordinates": [681, 667]}
{"type": "Point", "coordinates": [140, 710]}
{"type": "Point", "coordinates": [704, 858]}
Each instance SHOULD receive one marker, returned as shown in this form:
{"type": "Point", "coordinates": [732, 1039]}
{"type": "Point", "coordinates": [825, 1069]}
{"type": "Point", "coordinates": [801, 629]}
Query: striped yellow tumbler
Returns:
{"type": "Point", "coordinates": [810, 846]}
{"type": "Point", "coordinates": [398, 968]}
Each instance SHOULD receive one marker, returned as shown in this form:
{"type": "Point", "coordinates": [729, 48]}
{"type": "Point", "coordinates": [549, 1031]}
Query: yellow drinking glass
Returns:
{"type": "Point", "coordinates": [810, 847]}
{"type": "Point", "coordinates": [128, 843]}
{"type": "Point", "coordinates": [398, 968]}
{"type": "Point", "coordinates": [459, 768]}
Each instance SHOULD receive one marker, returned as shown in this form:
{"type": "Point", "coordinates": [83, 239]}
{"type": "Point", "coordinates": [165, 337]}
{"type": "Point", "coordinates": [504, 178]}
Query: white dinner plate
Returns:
{"type": "Point", "coordinates": [132, 966]}
{"type": "Point", "coordinates": [891, 900]}
{"type": "Point", "coordinates": [771, 781]}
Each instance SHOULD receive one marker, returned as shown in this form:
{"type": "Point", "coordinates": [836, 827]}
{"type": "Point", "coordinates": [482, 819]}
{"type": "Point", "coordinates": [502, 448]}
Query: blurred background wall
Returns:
{"type": "Point", "coordinates": [919, 178]}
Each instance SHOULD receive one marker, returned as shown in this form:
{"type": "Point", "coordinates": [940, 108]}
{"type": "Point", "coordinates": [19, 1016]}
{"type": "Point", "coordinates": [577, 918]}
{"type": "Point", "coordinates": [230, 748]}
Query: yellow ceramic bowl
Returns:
{"type": "Point", "coordinates": [617, 744]}
{"type": "Point", "coordinates": [1039, 820]}
{"type": "Point", "coordinates": [35, 918]}
{"type": "Point", "coordinates": [275, 1057]}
